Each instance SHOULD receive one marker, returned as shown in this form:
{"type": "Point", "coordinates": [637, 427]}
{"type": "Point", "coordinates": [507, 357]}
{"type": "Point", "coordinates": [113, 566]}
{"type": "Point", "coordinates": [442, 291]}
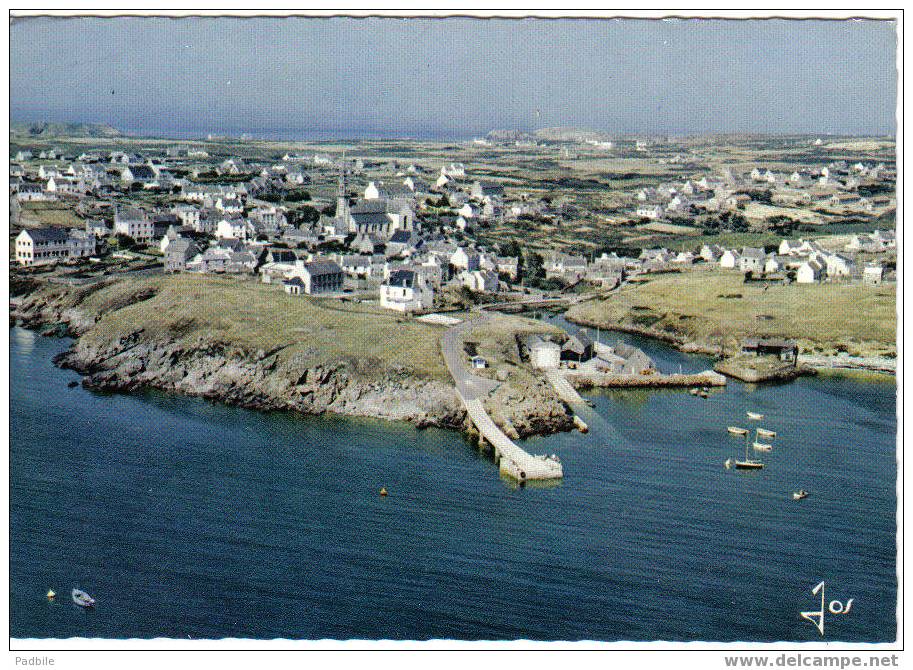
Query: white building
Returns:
{"type": "Point", "coordinates": [135, 223]}
{"type": "Point", "coordinates": [650, 212]}
{"type": "Point", "coordinates": [544, 353]}
{"type": "Point", "coordinates": [873, 274]}
{"type": "Point", "coordinates": [40, 246]}
{"type": "Point", "coordinates": [481, 281]}
{"type": "Point", "coordinates": [751, 260]}
{"type": "Point", "coordinates": [237, 229]}
{"type": "Point", "coordinates": [729, 259]}
{"type": "Point", "coordinates": [318, 276]}
{"type": "Point", "coordinates": [465, 259]}
{"type": "Point", "coordinates": [809, 272]}
{"type": "Point", "coordinates": [406, 291]}
{"type": "Point", "coordinates": [839, 266]}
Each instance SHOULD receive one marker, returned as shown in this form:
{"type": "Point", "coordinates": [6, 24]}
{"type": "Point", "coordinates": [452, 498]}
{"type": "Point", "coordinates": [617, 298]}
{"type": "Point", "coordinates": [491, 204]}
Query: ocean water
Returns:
{"type": "Point", "coordinates": [190, 519]}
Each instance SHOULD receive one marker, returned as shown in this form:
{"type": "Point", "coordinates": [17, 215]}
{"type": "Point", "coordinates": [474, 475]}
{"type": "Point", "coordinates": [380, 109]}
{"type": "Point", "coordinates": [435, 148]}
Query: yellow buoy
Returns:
{"type": "Point", "coordinates": [51, 595]}
{"type": "Point", "coordinates": [383, 491]}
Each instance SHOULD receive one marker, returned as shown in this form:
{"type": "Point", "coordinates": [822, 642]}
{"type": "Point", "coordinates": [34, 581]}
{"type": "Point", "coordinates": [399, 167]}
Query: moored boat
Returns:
{"type": "Point", "coordinates": [735, 430]}
{"type": "Point", "coordinates": [760, 446]}
{"type": "Point", "coordinates": [748, 465]}
{"type": "Point", "coordinates": [754, 416]}
{"type": "Point", "coordinates": [82, 598]}
{"type": "Point", "coordinates": [763, 432]}
{"type": "Point", "coordinates": [800, 494]}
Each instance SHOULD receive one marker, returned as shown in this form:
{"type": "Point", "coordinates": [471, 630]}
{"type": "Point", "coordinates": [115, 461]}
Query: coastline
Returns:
{"type": "Point", "coordinates": [266, 380]}
{"type": "Point", "coordinates": [834, 363]}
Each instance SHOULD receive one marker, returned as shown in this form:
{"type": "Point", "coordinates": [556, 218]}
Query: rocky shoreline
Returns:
{"type": "Point", "coordinates": [262, 380]}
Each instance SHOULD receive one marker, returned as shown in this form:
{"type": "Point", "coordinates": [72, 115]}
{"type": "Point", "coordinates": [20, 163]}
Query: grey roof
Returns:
{"type": "Point", "coordinates": [370, 218]}
{"type": "Point", "coordinates": [402, 278]}
{"type": "Point", "coordinates": [49, 234]}
{"type": "Point", "coordinates": [142, 172]}
{"type": "Point", "coordinates": [181, 245]}
{"type": "Point", "coordinates": [322, 268]}
{"type": "Point", "coordinates": [401, 236]}
{"type": "Point", "coordinates": [753, 252]}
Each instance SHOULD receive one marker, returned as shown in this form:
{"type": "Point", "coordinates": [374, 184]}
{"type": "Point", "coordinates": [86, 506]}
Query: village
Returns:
{"type": "Point", "coordinates": [406, 235]}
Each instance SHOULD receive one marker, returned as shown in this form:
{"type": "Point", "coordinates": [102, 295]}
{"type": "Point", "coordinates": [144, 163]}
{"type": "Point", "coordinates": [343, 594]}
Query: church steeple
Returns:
{"type": "Point", "coordinates": [342, 199]}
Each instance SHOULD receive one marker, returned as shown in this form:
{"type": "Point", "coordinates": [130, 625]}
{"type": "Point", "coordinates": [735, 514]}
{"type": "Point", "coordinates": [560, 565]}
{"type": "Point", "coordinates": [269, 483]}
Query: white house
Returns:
{"type": "Point", "coordinates": [453, 170]}
{"type": "Point", "coordinates": [729, 259]}
{"type": "Point", "coordinates": [751, 259]}
{"type": "Point", "coordinates": [481, 281]}
{"type": "Point", "coordinates": [318, 276]}
{"type": "Point", "coordinates": [134, 223]}
{"type": "Point", "coordinates": [873, 274]}
{"type": "Point", "coordinates": [839, 266]}
{"type": "Point", "coordinates": [406, 291]}
{"type": "Point", "coordinates": [809, 272]}
{"type": "Point", "coordinates": [465, 259]}
{"type": "Point", "coordinates": [544, 353]}
{"type": "Point", "coordinates": [60, 184]}
{"type": "Point", "coordinates": [650, 211]}
{"type": "Point", "coordinates": [40, 246]}
{"type": "Point", "coordinates": [236, 228]}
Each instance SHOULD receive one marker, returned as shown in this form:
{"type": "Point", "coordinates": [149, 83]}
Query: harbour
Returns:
{"type": "Point", "coordinates": [646, 537]}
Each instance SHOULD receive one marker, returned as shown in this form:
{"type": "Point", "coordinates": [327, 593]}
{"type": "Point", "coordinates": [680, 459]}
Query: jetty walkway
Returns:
{"type": "Point", "coordinates": [472, 389]}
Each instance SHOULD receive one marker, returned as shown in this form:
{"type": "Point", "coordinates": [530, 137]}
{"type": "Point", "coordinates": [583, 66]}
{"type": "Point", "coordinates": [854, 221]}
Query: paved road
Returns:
{"type": "Point", "coordinates": [469, 385]}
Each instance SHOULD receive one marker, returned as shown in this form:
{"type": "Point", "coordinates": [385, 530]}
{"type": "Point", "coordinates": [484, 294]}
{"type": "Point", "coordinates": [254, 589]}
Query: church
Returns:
{"type": "Point", "coordinates": [378, 218]}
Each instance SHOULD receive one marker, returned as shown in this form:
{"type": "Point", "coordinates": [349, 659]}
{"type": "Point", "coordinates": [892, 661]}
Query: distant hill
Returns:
{"type": "Point", "coordinates": [45, 129]}
{"type": "Point", "coordinates": [508, 136]}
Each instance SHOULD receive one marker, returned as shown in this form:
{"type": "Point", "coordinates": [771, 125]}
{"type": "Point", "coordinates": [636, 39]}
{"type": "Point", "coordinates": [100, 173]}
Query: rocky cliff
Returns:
{"type": "Point", "coordinates": [220, 371]}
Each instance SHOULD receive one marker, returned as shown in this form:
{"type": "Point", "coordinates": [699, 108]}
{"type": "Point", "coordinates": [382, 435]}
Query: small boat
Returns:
{"type": "Point", "coordinates": [742, 465]}
{"type": "Point", "coordinates": [760, 446]}
{"type": "Point", "coordinates": [754, 416]}
{"type": "Point", "coordinates": [694, 391]}
{"type": "Point", "coordinates": [82, 598]}
{"type": "Point", "coordinates": [800, 494]}
{"type": "Point", "coordinates": [51, 594]}
{"type": "Point", "coordinates": [748, 465]}
{"type": "Point", "coordinates": [763, 432]}
{"type": "Point", "coordinates": [735, 430]}
{"type": "Point", "coordinates": [704, 394]}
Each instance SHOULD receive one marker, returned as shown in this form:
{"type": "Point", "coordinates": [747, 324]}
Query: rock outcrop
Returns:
{"type": "Point", "coordinates": [137, 359]}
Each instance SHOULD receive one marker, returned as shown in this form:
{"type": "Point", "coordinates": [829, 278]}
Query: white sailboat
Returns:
{"type": "Point", "coordinates": [747, 463]}
{"type": "Point", "coordinates": [735, 430]}
{"type": "Point", "coordinates": [754, 416]}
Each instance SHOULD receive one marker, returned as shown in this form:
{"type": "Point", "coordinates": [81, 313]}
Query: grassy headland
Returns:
{"type": "Point", "coordinates": [717, 310]}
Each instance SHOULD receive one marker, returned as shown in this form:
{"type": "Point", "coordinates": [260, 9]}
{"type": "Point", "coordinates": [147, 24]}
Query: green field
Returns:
{"type": "Point", "coordinates": [717, 309]}
{"type": "Point", "coordinates": [255, 319]}
{"type": "Point", "coordinates": [252, 317]}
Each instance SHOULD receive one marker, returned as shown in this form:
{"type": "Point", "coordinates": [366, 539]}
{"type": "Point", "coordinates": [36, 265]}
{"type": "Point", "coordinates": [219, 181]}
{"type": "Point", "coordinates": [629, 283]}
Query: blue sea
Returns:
{"type": "Point", "coordinates": [189, 519]}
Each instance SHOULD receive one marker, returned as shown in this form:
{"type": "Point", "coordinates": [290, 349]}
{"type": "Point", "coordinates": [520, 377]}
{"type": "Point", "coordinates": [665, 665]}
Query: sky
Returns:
{"type": "Point", "coordinates": [455, 77]}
